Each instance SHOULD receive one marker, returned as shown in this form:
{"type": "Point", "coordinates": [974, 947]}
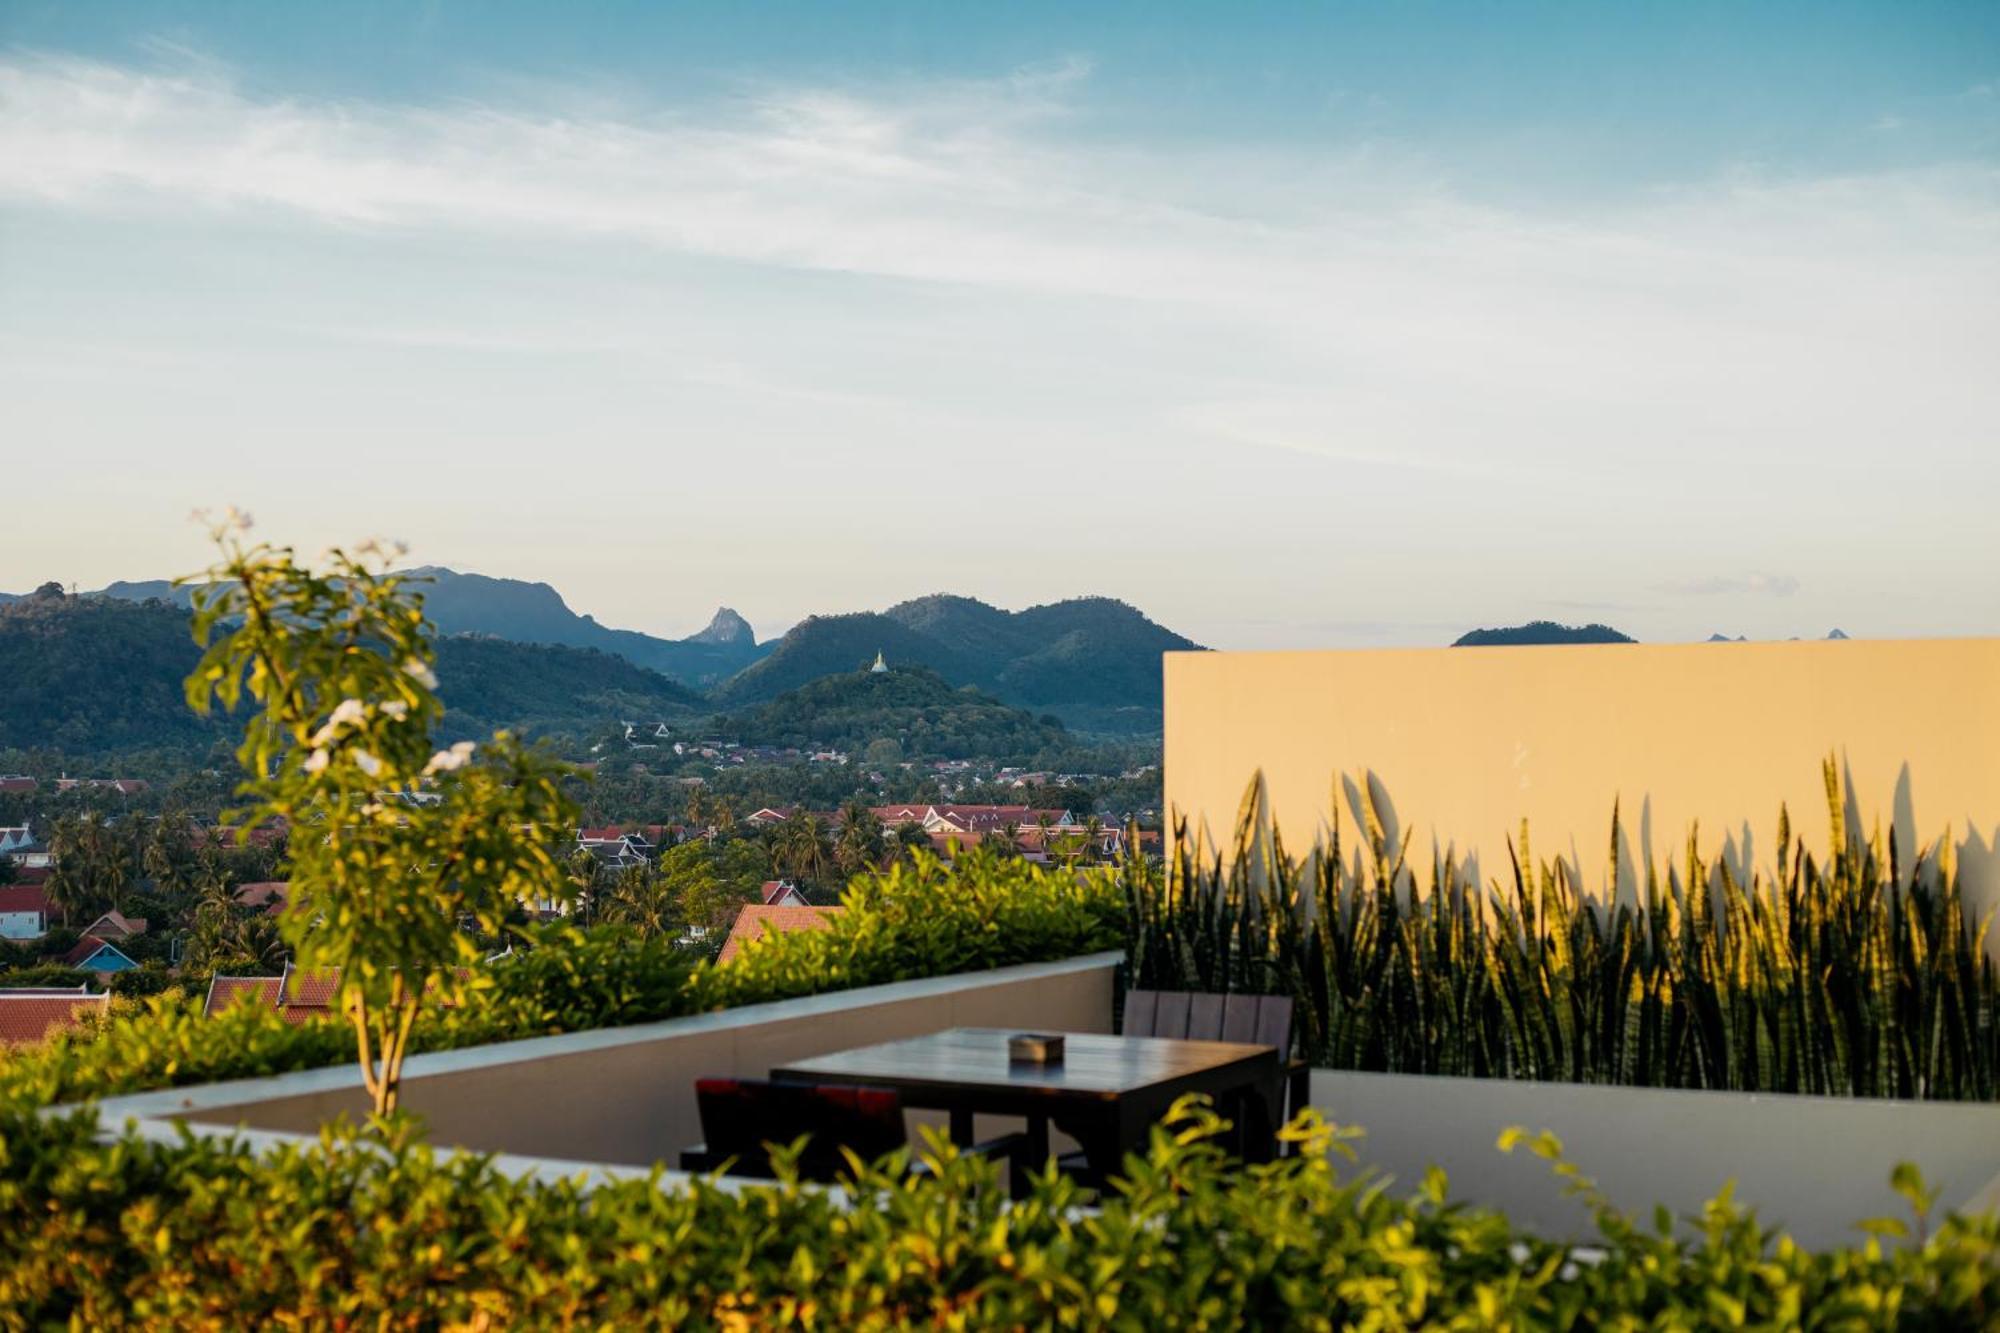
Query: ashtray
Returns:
{"type": "Point", "coordinates": [1037, 1048]}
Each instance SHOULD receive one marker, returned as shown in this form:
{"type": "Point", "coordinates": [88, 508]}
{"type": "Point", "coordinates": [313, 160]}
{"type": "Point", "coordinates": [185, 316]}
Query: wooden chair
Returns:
{"type": "Point", "coordinates": [1264, 1020]}
{"type": "Point", "coordinates": [742, 1118]}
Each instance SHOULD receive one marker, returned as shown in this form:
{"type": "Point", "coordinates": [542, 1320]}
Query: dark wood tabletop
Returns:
{"type": "Point", "coordinates": [1106, 1091]}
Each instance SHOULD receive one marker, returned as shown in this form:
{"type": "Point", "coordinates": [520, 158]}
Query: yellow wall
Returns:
{"type": "Point", "coordinates": [1468, 741]}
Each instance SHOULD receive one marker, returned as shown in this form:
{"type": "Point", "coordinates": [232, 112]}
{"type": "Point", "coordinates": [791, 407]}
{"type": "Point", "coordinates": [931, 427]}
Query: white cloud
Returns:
{"type": "Point", "coordinates": [1592, 386]}
{"type": "Point", "coordinates": [1769, 585]}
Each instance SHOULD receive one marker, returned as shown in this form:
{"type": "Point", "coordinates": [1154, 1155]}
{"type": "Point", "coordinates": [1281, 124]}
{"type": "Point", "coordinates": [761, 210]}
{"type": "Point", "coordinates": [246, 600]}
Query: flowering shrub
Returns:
{"type": "Point", "coordinates": [384, 1233]}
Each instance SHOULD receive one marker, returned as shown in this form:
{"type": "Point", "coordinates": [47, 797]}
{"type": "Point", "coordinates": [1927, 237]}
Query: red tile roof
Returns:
{"type": "Point", "coordinates": [756, 920]}
{"type": "Point", "coordinates": [23, 898]}
{"type": "Point", "coordinates": [36, 1014]}
{"type": "Point", "coordinates": [226, 991]}
{"type": "Point", "coordinates": [269, 894]}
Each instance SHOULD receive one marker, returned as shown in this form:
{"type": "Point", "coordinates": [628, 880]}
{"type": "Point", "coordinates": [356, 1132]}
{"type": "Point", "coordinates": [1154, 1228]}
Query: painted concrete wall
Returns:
{"type": "Point", "coordinates": [1815, 1164]}
{"type": "Point", "coordinates": [1467, 742]}
{"type": "Point", "coordinates": [626, 1095]}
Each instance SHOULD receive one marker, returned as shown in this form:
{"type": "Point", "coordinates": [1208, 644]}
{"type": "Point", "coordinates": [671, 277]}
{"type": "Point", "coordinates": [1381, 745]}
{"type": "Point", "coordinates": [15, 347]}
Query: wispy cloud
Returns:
{"type": "Point", "coordinates": [1767, 585]}
{"type": "Point", "coordinates": [1414, 376]}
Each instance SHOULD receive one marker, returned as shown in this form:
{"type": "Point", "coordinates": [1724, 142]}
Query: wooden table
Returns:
{"type": "Point", "coordinates": [1106, 1093]}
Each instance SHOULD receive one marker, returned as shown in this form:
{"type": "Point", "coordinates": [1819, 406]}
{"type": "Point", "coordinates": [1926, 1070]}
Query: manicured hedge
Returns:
{"type": "Point", "coordinates": [919, 919]}
{"type": "Point", "coordinates": [359, 1232]}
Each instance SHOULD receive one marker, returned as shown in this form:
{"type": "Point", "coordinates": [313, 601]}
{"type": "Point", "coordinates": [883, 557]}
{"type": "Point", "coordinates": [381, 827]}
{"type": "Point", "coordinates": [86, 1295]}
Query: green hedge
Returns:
{"type": "Point", "coordinates": [916, 920]}
{"type": "Point", "coordinates": [357, 1232]}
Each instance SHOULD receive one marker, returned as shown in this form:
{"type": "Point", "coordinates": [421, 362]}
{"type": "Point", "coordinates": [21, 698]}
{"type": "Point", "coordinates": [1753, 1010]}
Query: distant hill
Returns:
{"type": "Point", "coordinates": [1541, 631]}
{"type": "Point", "coordinates": [96, 676]}
{"type": "Point", "coordinates": [489, 683]}
{"type": "Point", "coordinates": [1089, 657]}
{"type": "Point", "coordinates": [1093, 661]}
{"type": "Point", "coordinates": [536, 613]}
{"type": "Point", "coordinates": [100, 676]}
{"type": "Point", "coordinates": [1724, 638]}
{"type": "Point", "coordinates": [926, 715]}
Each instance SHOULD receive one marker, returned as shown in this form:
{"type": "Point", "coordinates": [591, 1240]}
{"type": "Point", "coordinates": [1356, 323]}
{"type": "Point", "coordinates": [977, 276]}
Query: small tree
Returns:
{"type": "Point", "coordinates": [397, 847]}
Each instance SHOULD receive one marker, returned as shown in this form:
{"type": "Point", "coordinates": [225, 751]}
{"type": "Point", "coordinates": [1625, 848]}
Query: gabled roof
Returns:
{"type": "Point", "coordinates": [756, 920]}
{"type": "Point", "coordinates": [779, 893]}
{"type": "Point", "coordinates": [115, 925]}
{"type": "Point", "coordinates": [89, 947]}
{"type": "Point", "coordinates": [33, 1014]}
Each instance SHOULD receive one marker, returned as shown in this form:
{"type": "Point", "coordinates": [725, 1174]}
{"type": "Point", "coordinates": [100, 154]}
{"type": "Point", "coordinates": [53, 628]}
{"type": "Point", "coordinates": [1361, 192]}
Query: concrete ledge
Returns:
{"type": "Point", "coordinates": [1816, 1165]}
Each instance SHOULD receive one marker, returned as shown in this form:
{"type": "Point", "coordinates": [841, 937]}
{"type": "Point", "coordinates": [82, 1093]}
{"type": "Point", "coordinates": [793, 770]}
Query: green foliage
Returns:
{"type": "Point", "coordinates": [913, 706]}
{"type": "Point", "coordinates": [1540, 632]}
{"type": "Point", "coordinates": [922, 919]}
{"type": "Point", "coordinates": [355, 1231]}
{"type": "Point", "coordinates": [1861, 976]}
{"type": "Point", "coordinates": [400, 848]}
{"type": "Point", "coordinates": [89, 675]}
{"type": "Point", "coordinates": [95, 680]}
{"type": "Point", "coordinates": [917, 920]}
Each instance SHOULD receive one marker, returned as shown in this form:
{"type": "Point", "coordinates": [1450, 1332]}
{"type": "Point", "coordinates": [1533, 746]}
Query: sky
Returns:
{"type": "Point", "coordinates": [1297, 326]}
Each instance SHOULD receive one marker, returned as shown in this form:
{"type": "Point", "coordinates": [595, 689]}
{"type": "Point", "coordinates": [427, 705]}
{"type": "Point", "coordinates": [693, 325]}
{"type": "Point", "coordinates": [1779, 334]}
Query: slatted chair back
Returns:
{"type": "Point", "coordinates": [740, 1116]}
{"type": "Point", "coordinates": [1264, 1020]}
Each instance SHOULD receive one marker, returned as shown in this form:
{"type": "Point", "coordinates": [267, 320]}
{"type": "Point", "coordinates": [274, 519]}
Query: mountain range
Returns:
{"type": "Point", "coordinates": [1092, 661]}
{"type": "Point", "coordinates": [101, 675]}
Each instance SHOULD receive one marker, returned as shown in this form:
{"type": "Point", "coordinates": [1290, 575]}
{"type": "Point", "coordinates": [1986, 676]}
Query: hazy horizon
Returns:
{"type": "Point", "coordinates": [1293, 326]}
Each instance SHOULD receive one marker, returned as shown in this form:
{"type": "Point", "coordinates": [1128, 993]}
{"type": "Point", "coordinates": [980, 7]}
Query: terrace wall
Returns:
{"type": "Point", "coordinates": [1466, 742]}
{"type": "Point", "coordinates": [625, 1096]}
{"type": "Point", "coordinates": [1816, 1164]}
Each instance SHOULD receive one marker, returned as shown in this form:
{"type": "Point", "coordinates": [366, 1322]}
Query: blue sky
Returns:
{"type": "Point", "coordinates": [1297, 325]}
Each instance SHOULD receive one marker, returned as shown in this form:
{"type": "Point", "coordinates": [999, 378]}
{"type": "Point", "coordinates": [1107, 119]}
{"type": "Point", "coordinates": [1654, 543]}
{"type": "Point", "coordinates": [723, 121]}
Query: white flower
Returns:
{"type": "Point", "coordinates": [416, 670]}
{"type": "Point", "coordinates": [346, 714]}
{"type": "Point", "coordinates": [396, 709]}
{"type": "Point", "coordinates": [367, 763]}
{"type": "Point", "coordinates": [316, 762]}
{"type": "Point", "coordinates": [444, 761]}
{"type": "Point", "coordinates": [236, 520]}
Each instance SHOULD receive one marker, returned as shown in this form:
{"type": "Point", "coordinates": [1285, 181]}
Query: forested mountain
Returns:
{"type": "Point", "coordinates": [1092, 658]}
{"type": "Point", "coordinates": [1541, 631]}
{"type": "Point", "coordinates": [489, 683]}
{"type": "Point", "coordinates": [88, 675]}
{"type": "Point", "coordinates": [98, 676]}
{"type": "Point", "coordinates": [925, 715]}
{"type": "Point", "coordinates": [1094, 661]}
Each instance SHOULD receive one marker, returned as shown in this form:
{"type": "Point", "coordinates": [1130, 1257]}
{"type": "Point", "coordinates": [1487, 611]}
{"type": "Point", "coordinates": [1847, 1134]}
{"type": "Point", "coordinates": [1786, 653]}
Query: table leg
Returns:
{"type": "Point", "coordinates": [1038, 1142]}
{"type": "Point", "coordinates": [961, 1128]}
{"type": "Point", "coordinates": [1259, 1106]}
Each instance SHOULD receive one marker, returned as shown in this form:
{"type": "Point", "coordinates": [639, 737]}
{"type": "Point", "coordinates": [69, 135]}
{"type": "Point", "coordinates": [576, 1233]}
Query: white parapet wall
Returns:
{"type": "Point", "coordinates": [625, 1096]}
{"type": "Point", "coordinates": [1817, 1165]}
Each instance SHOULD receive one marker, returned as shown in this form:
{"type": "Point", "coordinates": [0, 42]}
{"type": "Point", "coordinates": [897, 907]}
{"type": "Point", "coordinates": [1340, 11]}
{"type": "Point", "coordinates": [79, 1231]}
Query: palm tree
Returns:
{"type": "Point", "coordinates": [1007, 839]}
{"type": "Point", "coordinates": [800, 850]}
{"type": "Point", "coordinates": [860, 845]}
{"type": "Point", "coordinates": [910, 836]}
{"type": "Point", "coordinates": [89, 865]}
{"type": "Point", "coordinates": [68, 886]}
{"type": "Point", "coordinates": [637, 899]}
